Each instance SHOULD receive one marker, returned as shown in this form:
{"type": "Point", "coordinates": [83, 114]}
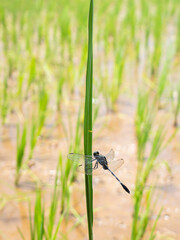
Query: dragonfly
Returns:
{"type": "Point", "coordinates": [97, 164]}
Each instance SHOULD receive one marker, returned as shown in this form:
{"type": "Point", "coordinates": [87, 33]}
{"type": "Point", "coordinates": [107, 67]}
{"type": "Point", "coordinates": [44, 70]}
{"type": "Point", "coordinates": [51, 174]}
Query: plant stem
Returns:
{"type": "Point", "coordinates": [88, 121]}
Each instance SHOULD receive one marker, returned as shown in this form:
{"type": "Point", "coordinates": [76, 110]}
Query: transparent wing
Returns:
{"type": "Point", "coordinates": [110, 156]}
{"type": "Point", "coordinates": [80, 158]}
{"type": "Point", "coordinates": [113, 165]}
{"type": "Point", "coordinates": [87, 166]}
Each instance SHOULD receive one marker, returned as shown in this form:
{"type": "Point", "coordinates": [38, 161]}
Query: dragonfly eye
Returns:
{"type": "Point", "coordinates": [96, 154]}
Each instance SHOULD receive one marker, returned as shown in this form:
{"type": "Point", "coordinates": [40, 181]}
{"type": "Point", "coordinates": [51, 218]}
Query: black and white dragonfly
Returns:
{"type": "Point", "coordinates": [97, 163]}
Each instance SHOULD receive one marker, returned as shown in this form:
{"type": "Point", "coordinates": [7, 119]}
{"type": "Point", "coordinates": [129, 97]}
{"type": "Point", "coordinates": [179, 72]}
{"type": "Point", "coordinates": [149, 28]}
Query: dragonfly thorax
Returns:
{"type": "Point", "coordinates": [102, 161]}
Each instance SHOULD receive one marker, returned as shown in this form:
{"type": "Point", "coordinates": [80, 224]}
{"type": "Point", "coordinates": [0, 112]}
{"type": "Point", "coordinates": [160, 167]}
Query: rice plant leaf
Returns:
{"type": "Point", "coordinates": [88, 121]}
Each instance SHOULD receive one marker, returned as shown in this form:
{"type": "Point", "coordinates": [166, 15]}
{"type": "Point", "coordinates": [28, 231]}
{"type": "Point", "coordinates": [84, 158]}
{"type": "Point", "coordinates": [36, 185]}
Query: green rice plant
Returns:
{"type": "Point", "coordinates": [65, 185]}
{"type": "Point", "coordinates": [111, 81]}
{"type": "Point", "coordinates": [53, 226]}
{"type": "Point", "coordinates": [43, 100]}
{"type": "Point", "coordinates": [178, 35]}
{"type": "Point", "coordinates": [120, 60]}
{"type": "Point", "coordinates": [95, 113]}
{"type": "Point", "coordinates": [20, 81]}
{"type": "Point", "coordinates": [37, 224]}
{"type": "Point", "coordinates": [110, 25]}
{"type": "Point", "coordinates": [41, 227]}
{"type": "Point", "coordinates": [67, 176]}
{"type": "Point", "coordinates": [175, 99]}
{"type": "Point", "coordinates": [13, 30]}
{"type": "Point", "coordinates": [74, 138]}
{"type": "Point", "coordinates": [142, 214]}
{"type": "Point", "coordinates": [20, 151]}
{"type": "Point", "coordinates": [32, 73]}
{"type": "Point", "coordinates": [143, 125]}
{"type": "Point", "coordinates": [67, 169]}
{"type": "Point", "coordinates": [158, 28]}
{"type": "Point", "coordinates": [37, 231]}
{"type": "Point", "coordinates": [33, 137]}
{"type": "Point", "coordinates": [145, 215]}
{"type": "Point", "coordinates": [131, 20]}
{"type": "Point", "coordinates": [60, 84]}
{"type": "Point", "coordinates": [146, 20]}
{"type": "Point", "coordinates": [11, 63]}
{"type": "Point", "coordinates": [110, 90]}
{"type": "Point", "coordinates": [76, 144]}
{"type": "Point", "coordinates": [4, 101]}
{"type": "Point", "coordinates": [65, 26]}
{"type": "Point", "coordinates": [3, 22]}
{"type": "Point", "coordinates": [145, 219]}
{"type": "Point", "coordinates": [152, 233]}
{"type": "Point", "coordinates": [177, 108]}
{"type": "Point", "coordinates": [163, 76]}
{"type": "Point", "coordinates": [88, 121]}
{"type": "Point", "coordinates": [143, 122]}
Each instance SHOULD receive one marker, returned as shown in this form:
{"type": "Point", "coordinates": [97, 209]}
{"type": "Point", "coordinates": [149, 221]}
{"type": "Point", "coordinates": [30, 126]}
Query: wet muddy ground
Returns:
{"type": "Point", "coordinates": [113, 206]}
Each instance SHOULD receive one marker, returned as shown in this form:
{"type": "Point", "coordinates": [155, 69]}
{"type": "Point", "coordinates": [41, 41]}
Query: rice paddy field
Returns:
{"type": "Point", "coordinates": [62, 91]}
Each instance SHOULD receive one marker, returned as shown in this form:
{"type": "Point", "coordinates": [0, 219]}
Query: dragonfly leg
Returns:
{"type": "Point", "coordinates": [91, 169]}
{"type": "Point", "coordinates": [96, 165]}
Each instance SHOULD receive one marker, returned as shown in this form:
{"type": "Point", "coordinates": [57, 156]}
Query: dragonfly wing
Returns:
{"type": "Point", "coordinates": [110, 156]}
{"type": "Point", "coordinates": [86, 163]}
{"type": "Point", "coordinates": [115, 164]}
{"type": "Point", "coordinates": [87, 167]}
{"type": "Point", "coordinates": [95, 172]}
{"type": "Point", "coordinates": [80, 158]}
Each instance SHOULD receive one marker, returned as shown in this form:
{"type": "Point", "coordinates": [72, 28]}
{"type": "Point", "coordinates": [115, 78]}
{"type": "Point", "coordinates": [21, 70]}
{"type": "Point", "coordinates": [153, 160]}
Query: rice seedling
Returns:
{"type": "Point", "coordinates": [32, 74]}
{"type": "Point", "coordinates": [37, 224]}
{"type": "Point", "coordinates": [175, 99]}
{"type": "Point", "coordinates": [20, 86]}
{"type": "Point", "coordinates": [33, 137]}
{"type": "Point", "coordinates": [78, 134]}
{"type": "Point", "coordinates": [112, 75]}
{"type": "Point", "coordinates": [4, 29]}
{"type": "Point", "coordinates": [88, 121]}
{"type": "Point", "coordinates": [158, 28]}
{"type": "Point", "coordinates": [11, 63]}
{"type": "Point", "coordinates": [163, 76]}
{"type": "Point", "coordinates": [65, 172]}
{"type": "Point", "coordinates": [4, 101]}
{"type": "Point", "coordinates": [178, 35]}
{"type": "Point", "coordinates": [130, 19]}
{"type": "Point", "coordinates": [43, 99]}
{"type": "Point", "coordinates": [60, 84]}
{"type": "Point", "coordinates": [145, 20]}
{"type": "Point", "coordinates": [141, 215]}
{"type": "Point", "coordinates": [67, 169]}
{"type": "Point", "coordinates": [95, 112]}
{"type": "Point", "coordinates": [37, 230]}
{"type": "Point", "coordinates": [45, 225]}
{"type": "Point", "coordinates": [120, 60]}
{"type": "Point", "coordinates": [53, 225]}
{"type": "Point", "coordinates": [20, 151]}
{"type": "Point", "coordinates": [143, 125]}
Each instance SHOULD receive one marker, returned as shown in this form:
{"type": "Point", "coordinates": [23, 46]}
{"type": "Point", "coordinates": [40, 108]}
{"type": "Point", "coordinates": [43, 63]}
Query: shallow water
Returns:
{"type": "Point", "coordinates": [113, 206]}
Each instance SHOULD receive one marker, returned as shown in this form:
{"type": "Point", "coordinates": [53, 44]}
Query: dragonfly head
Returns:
{"type": "Point", "coordinates": [96, 154]}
